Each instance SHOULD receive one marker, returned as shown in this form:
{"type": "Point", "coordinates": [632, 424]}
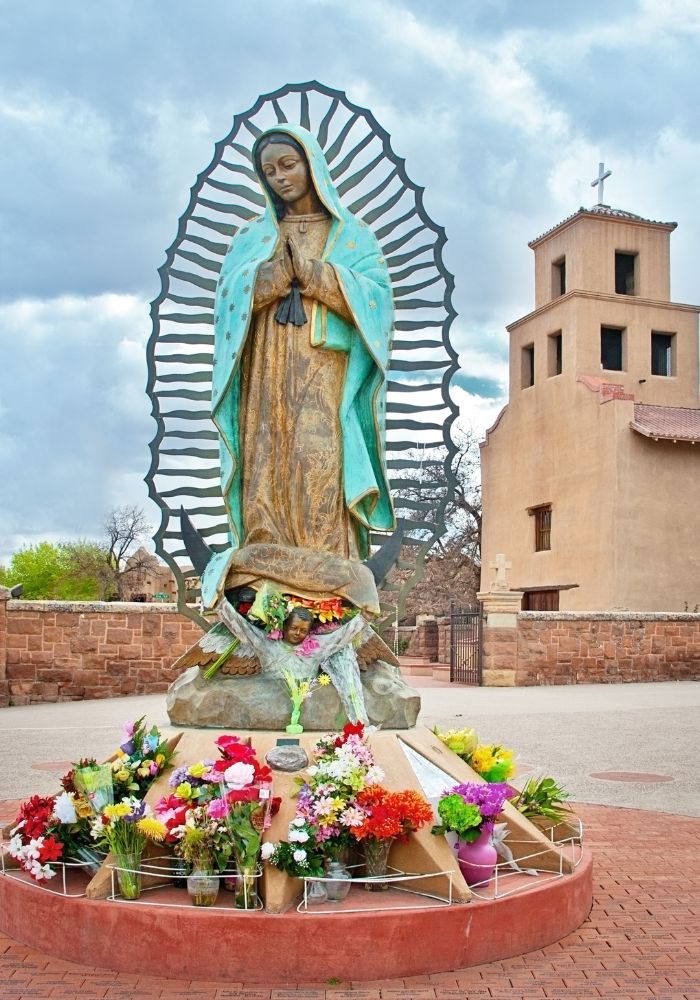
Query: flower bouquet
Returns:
{"type": "Point", "coordinates": [470, 811]}
{"type": "Point", "coordinates": [493, 762]}
{"type": "Point", "coordinates": [386, 816]}
{"type": "Point", "coordinates": [299, 690]}
{"type": "Point", "coordinates": [126, 827]}
{"type": "Point", "coordinates": [218, 810]}
{"type": "Point", "coordinates": [327, 810]}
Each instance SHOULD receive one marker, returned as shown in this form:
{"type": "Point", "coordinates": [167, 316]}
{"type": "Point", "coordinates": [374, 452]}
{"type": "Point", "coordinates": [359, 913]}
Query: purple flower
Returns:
{"type": "Point", "coordinates": [128, 747]}
{"type": "Point", "coordinates": [490, 798]}
{"type": "Point", "coordinates": [137, 812]}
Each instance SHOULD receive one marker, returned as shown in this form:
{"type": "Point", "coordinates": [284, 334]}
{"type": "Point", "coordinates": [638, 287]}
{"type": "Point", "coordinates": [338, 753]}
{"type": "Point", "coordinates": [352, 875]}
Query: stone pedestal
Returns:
{"type": "Point", "coordinates": [500, 636]}
{"type": "Point", "coordinates": [261, 702]}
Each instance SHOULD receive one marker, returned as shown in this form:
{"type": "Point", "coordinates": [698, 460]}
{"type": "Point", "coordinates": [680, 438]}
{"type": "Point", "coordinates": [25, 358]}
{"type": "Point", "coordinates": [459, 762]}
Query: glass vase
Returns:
{"type": "Point", "coordinates": [338, 884]}
{"type": "Point", "coordinates": [179, 869]}
{"type": "Point", "coordinates": [128, 874]}
{"type": "Point", "coordinates": [247, 887]}
{"type": "Point", "coordinates": [203, 887]}
{"type": "Point", "coordinates": [376, 853]}
{"type": "Point", "coordinates": [315, 892]}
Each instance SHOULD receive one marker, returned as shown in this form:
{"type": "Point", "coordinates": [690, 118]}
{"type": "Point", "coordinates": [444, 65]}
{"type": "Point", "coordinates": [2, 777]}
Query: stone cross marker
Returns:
{"type": "Point", "coordinates": [501, 565]}
{"type": "Point", "coordinates": [603, 175]}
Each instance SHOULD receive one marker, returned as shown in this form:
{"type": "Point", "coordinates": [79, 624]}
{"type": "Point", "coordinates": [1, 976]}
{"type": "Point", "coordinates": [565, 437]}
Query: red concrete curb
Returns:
{"type": "Point", "coordinates": [190, 941]}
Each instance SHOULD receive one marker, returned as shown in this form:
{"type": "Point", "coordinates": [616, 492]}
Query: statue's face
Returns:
{"type": "Point", "coordinates": [295, 630]}
{"type": "Point", "coordinates": [285, 171]}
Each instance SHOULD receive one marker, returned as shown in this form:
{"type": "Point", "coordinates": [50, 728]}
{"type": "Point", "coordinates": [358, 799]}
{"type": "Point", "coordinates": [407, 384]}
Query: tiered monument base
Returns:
{"type": "Point", "coordinates": [393, 938]}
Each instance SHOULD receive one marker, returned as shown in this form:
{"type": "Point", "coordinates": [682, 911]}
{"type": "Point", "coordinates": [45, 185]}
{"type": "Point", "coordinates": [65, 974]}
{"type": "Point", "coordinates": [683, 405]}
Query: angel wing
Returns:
{"type": "Point", "coordinates": [372, 647]}
{"type": "Point", "coordinates": [207, 650]}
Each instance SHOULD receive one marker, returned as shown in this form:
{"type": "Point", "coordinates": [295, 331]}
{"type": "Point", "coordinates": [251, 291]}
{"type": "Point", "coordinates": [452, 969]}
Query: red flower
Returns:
{"type": "Point", "coordinates": [50, 850]}
{"type": "Point", "coordinates": [391, 814]}
{"type": "Point", "coordinates": [36, 814]}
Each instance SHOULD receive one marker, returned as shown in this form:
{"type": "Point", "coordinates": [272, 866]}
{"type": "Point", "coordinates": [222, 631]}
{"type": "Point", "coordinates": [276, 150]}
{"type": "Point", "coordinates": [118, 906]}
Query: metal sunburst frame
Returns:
{"type": "Point", "coordinates": [373, 183]}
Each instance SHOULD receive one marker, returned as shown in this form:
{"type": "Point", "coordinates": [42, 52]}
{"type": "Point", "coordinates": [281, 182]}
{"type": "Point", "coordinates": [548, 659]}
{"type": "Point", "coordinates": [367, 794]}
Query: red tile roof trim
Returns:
{"type": "Point", "coordinates": [669, 423]}
{"type": "Point", "coordinates": [607, 390]}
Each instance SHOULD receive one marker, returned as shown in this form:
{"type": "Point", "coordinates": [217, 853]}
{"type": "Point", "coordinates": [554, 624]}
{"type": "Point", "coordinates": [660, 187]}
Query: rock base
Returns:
{"type": "Point", "coordinates": [262, 703]}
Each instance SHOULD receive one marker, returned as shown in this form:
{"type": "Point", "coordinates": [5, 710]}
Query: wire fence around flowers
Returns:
{"type": "Point", "coordinates": [503, 871]}
{"type": "Point", "coordinates": [66, 870]}
{"type": "Point", "coordinates": [160, 868]}
{"type": "Point", "coordinates": [392, 880]}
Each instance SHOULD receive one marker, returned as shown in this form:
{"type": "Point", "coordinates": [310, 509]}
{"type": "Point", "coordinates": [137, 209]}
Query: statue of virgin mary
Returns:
{"type": "Point", "coordinates": [303, 328]}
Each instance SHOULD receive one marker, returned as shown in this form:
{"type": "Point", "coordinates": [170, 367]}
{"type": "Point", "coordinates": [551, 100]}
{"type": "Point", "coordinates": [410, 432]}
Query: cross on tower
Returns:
{"type": "Point", "coordinates": [501, 565]}
{"type": "Point", "coordinates": [603, 174]}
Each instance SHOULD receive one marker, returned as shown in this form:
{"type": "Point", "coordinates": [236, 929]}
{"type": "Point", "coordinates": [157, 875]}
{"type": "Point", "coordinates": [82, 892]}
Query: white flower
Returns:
{"type": "Point", "coordinates": [298, 821]}
{"type": "Point", "coordinates": [239, 775]}
{"type": "Point", "coordinates": [64, 808]}
{"type": "Point", "coordinates": [312, 770]}
{"type": "Point", "coordinates": [302, 836]}
{"type": "Point", "coordinates": [299, 855]}
{"type": "Point", "coordinates": [374, 775]}
{"type": "Point", "coordinates": [267, 850]}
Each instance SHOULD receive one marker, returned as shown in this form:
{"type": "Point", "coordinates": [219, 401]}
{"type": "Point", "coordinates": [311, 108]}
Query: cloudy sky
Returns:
{"type": "Point", "coordinates": [109, 110]}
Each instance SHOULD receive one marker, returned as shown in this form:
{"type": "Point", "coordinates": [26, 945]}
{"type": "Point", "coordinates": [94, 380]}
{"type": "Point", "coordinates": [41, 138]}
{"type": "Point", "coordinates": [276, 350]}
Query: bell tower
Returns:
{"type": "Point", "coordinates": [591, 469]}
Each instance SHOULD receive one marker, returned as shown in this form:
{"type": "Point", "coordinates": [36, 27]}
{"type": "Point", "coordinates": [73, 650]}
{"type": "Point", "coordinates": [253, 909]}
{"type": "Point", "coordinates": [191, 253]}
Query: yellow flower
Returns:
{"type": "Point", "coordinates": [184, 790]}
{"type": "Point", "coordinates": [197, 770]}
{"type": "Point", "coordinates": [153, 828]}
{"type": "Point", "coordinates": [483, 759]}
{"type": "Point", "coordinates": [117, 811]}
{"type": "Point", "coordinates": [461, 741]}
{"type": "Point", "coordinates": [122, 775]}
{"type": "Point", "coordinates": [83, 808]}
{"type": "Point", "coordinates": [160, 759]}
{"type": "Point", "coordinates": [324, 680]}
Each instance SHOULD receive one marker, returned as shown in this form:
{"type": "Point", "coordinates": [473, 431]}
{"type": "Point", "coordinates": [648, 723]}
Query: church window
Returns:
{"type": "Point", "coordinates": [611, 348]}
{"type": "Point", "coordinates": [543, 526]}
{"type": "Point", "coordinates": [527, 372]}
{"type": "Point", "coordinates": [662, 360]}
{"type": "Point", "coordinates": [625, 266]}
{"type": "Point", "coordinates": [554, 366]}
{"type": "Point", "coordinates": [559, 277]}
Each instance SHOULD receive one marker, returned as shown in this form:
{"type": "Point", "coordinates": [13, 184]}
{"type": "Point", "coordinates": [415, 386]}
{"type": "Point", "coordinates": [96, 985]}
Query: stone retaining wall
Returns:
{"type": "Point", "coordinates": [558, 648]}
{"type": "Point", "coordinates": [65, 651]}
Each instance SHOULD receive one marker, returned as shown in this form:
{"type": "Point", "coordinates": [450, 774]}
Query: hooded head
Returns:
{"type": "Point", "coordinates": [303, 144]}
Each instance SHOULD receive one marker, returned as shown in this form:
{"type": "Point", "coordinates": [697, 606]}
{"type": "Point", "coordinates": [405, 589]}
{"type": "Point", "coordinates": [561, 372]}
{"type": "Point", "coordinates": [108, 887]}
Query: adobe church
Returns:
{"type": "Point", "coordinates": [591, 473]}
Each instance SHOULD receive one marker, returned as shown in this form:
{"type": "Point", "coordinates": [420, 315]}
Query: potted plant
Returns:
{"type": "Point", "coordinates": [544, 802]}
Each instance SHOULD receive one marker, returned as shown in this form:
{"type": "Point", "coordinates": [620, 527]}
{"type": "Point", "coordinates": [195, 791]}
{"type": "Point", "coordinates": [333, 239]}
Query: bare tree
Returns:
{"type": "Point", "coordinates": [125, 528]}
{"type": "Point", "coordinates": [452, 568]}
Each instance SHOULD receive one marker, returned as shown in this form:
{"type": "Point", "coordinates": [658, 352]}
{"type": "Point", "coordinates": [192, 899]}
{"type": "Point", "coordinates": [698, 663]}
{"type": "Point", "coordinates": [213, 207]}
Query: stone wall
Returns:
{"type": "Point", "coordinates": [559, 648]}
{"type": "Point", "coordinates": [65, 651]}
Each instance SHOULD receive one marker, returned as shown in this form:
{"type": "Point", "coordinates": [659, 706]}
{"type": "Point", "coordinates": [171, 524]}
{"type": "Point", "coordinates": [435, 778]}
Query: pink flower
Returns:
{"type": "Point", "coordinates": [307, 647]}
{"type": "Point", "coordinates": [218, 809]}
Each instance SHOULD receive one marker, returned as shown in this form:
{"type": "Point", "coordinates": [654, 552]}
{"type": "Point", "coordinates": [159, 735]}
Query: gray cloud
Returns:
{"type": "Point", "coordinates": [108, 112]}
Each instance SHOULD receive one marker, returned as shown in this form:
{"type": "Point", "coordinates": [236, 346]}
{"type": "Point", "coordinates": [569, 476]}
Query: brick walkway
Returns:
{"type": "Point", "coordinates": [642, 939]}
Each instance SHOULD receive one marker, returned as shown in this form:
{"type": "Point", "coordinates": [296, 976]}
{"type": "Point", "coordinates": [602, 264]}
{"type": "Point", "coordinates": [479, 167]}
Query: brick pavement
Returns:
{"type": "Point", "coordinates": [642, 939]}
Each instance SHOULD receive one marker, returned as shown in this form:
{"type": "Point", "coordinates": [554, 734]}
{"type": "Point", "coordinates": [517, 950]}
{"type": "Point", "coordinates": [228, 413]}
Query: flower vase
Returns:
{"type": "Point", "coordinates": [179, 869]}
{"type": "Point", "coordinates": [294, 724]}
{"type": "Point", "coordinates": [203, 887]}
{"type": "Point", "coordinates": [315, 892]}
{"type": "Point", "coordinates": [376, 854]}
{"type": "Point", "coordinates": [128, 874]}
{"type": "Point", "coordinates": [338, 884]}
{"type": "Point", "coordinates": [477, 860]}
{"type": "Point", "coordinates": [247, 887]}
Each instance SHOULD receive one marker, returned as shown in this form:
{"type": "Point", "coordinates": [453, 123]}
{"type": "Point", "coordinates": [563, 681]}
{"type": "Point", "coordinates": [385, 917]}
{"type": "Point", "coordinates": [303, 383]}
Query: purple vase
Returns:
{"type": "Point", "coordinates": [477, 860]}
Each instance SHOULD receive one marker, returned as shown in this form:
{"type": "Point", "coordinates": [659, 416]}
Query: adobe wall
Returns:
{"type": "Point", "coordinates": [558, 648]}
{"type": "Point", "coordinates": [65, 651]}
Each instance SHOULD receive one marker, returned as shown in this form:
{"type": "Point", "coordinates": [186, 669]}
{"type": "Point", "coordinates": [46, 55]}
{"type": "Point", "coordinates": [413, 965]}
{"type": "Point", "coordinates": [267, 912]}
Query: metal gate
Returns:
{"type": "Point", "coordinates": [465, 645]}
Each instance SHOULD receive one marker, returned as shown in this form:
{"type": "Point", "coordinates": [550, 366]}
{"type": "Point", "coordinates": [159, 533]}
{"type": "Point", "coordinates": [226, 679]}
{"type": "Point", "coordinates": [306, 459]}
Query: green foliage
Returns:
{"type": "Point", "coordinates": [69, 571]}
{"type": "Point", "coordinates": [543, 797]}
